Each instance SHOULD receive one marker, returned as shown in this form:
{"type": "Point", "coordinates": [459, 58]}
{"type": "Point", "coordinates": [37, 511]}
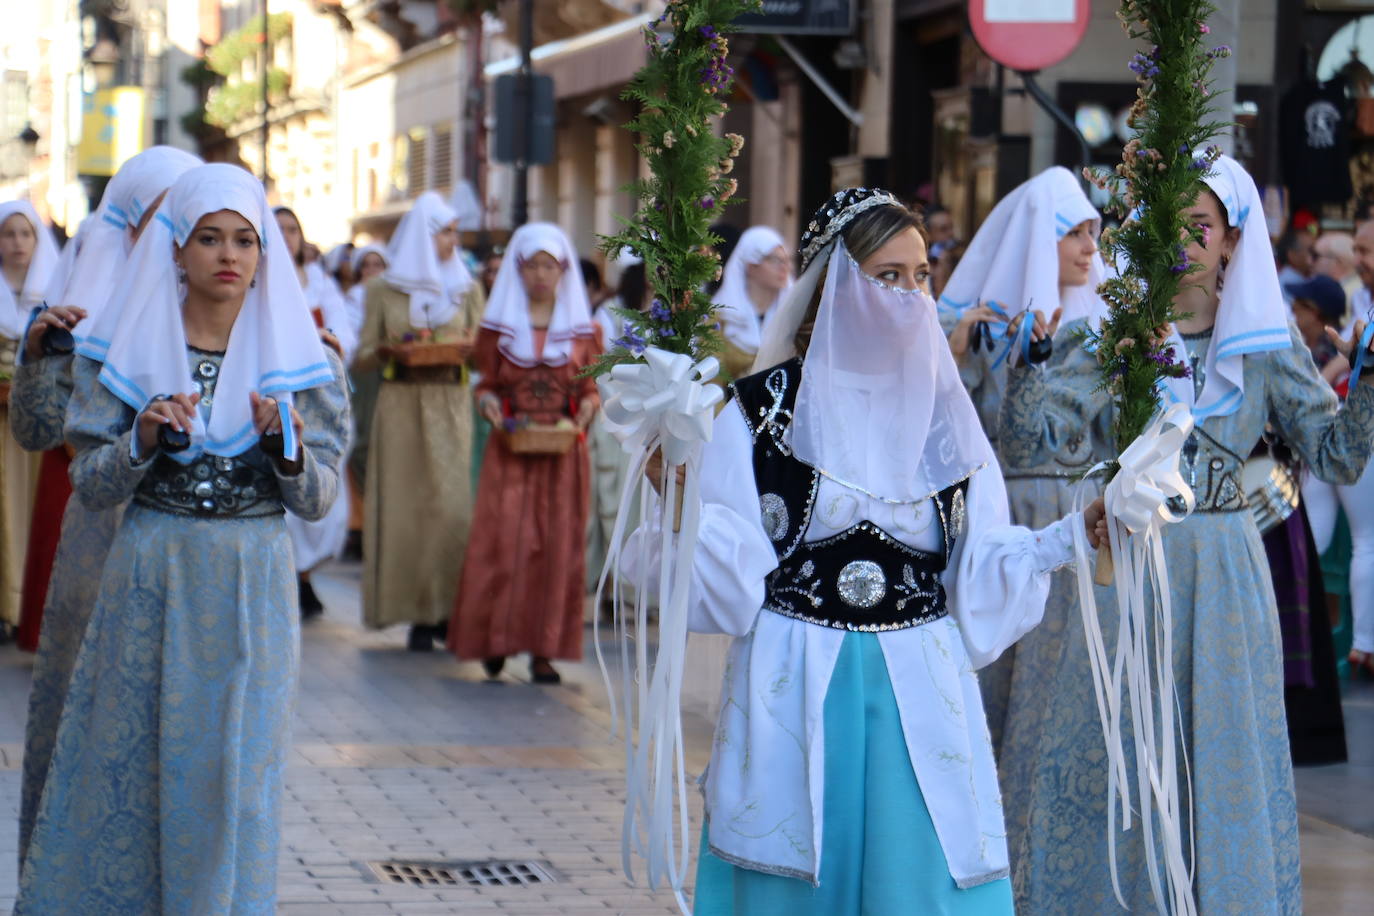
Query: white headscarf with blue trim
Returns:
{"type": "Point", "coordinates": [1013, 261]}
{"type": "Point", "coordinates": [1251, 314]}
{"type": "Point", "coordinates": [104, 243]}
{"type": "Point", "coordinates": [274, 348]}
{"type": "Point", "coordinates": [14, 312]}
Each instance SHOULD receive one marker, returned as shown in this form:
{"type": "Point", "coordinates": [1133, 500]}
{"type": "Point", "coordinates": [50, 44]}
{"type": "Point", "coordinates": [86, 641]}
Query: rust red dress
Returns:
{"type": "Point", "coordinates": [523, 582]}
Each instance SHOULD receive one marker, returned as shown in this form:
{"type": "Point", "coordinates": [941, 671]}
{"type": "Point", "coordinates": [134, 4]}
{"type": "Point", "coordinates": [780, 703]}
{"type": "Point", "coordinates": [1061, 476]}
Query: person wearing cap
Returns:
{"type": "Point", "coordinates": [1318, 303]}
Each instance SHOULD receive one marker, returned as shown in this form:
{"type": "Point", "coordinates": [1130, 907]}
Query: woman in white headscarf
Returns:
{"type": "Point", "coordinates": [316, 542]}
{"type": "Point", "coordinates": [1249, 368]}
{"type": "Point", "coordinates": [522, 588]}
{"type": "Point", "coordinates": [418, 492]}
{"type": "Point", "coordinates": [753, 282]}
{"type": "Point", "coordinates": [60, 593]}
{"type": "Point", "coordinates": [1037, 250]}
{"type": "Point", "coordinates": [855, 543]}
{"type": "Point", "coordinates": [28, 257]}
{"type": "Point", "coordinates": [213, 408]}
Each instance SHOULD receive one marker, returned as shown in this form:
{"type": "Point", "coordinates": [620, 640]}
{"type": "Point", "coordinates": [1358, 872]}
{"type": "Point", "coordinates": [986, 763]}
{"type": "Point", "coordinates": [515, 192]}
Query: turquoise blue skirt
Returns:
{"type": "Point", "coordinates": [880, 856]}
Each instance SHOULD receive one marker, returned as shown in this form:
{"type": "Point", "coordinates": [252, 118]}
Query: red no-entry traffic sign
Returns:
{"type": "Point", "coordinates": [1028, 34]}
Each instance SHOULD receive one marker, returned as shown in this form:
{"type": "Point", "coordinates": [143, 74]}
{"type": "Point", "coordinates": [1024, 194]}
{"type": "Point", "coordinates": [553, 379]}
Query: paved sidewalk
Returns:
{"type": "Point", "coordinates": [402, 755]}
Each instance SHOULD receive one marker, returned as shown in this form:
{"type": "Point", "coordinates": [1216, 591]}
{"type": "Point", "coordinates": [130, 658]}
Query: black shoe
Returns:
{"type": "Point", "coordinates": [542, 672]}
{"type": "Point", "coordinates": [492, 665]}
{"type": "Point", "coordinates": [353, 547]}
{"type": "Point", "coordinates": [311, 605]}
{"type": "Point", "coordinates": [440, 631]}
{"type": "Point", "coordinates": [421, 638]}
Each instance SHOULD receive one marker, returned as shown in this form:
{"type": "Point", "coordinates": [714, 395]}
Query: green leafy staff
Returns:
{"type": "Point", "coordinates": [1159, 176]}
{"type": "Point", "coordinates": [681, 90]}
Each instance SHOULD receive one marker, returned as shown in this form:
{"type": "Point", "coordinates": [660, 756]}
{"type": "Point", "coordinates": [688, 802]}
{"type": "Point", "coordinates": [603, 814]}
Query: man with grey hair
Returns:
{"type": "Point", "coordinates": [1335, 257]}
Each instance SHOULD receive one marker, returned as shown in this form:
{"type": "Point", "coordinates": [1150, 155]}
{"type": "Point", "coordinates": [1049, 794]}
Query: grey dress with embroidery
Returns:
{"type": "Point", "coordinates": [1039, 492]}
{"type": "Point", "coordinates": [1227, 657]}
{"type": "Point", "coordinates": [38, 409]}
{"type": "Point", "coordinates": [182, 688]}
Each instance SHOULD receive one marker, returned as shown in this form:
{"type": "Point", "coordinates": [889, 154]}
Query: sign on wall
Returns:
{"type": "Point", "coordinates": [801, 17]}
{"type": "Point", "coordinates": [111, 129]}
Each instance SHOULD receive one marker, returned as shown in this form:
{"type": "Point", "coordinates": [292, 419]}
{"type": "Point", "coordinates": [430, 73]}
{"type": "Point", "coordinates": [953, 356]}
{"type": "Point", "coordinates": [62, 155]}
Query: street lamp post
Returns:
{"type": "Point", "coordinates": [266, 103]}
{"type": "Point", "coordinates": [524, 113]}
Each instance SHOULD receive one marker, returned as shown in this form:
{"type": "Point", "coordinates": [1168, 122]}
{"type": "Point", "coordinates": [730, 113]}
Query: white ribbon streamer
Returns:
{"type": "Point", "coordinates": [662, 404]}
{"type": "Point", "coordinates": [1136, 516]}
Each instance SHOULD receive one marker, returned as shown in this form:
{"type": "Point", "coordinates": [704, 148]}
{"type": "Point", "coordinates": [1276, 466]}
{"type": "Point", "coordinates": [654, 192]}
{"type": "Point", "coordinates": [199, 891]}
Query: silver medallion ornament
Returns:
{"type": "Point", "coordinates": [862, 584]}
{"type": "Point", "coordinates": [775, 517]}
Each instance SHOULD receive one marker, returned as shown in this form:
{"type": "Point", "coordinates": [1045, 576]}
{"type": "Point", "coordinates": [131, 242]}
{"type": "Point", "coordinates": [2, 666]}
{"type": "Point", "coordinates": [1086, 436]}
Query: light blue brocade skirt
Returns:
{"type": "Point", "coordinates": [164, 794]}
{"type": "Point", "coordinates": [880, 854]}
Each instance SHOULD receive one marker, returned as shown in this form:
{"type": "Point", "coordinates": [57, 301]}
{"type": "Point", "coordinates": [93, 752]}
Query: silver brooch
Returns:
{"type": "Point", "coordinates": [862, 584]}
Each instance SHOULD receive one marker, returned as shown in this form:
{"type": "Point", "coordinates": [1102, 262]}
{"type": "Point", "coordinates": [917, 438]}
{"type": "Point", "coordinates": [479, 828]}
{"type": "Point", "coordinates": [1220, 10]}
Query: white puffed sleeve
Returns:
{"type": "Point", "coordinates": [733, 554]}
{"type": "Point", "coordinates": [999, 576]}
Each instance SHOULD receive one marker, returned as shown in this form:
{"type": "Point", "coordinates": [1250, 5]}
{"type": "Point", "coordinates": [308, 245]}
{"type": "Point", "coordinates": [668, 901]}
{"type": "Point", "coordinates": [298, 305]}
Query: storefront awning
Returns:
{"type": "Point", "coordinates": [606, 58]}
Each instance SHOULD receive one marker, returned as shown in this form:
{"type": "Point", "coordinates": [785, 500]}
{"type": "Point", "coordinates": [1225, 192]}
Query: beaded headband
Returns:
{"type": "Point", "coordinates": [836, 213]}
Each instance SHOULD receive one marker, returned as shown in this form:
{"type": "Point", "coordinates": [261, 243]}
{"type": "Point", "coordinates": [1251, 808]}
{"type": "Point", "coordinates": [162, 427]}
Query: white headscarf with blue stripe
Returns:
{"type": "Point", "coordinates": [1251, 314]}
{"type": "Point", "coordinates": [274, 347]}
{"type": "Point", "coordinates": [104, 243]}
{"type": "Point", "coordinates": [1013, 261]}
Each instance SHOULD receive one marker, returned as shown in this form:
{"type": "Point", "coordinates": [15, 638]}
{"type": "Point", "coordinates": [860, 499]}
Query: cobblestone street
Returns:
{"type": "Point", "coordinates": [401, 755]}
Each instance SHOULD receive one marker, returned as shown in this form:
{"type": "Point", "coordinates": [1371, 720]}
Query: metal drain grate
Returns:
{"type": "Point", "coordinates": [462, 874]}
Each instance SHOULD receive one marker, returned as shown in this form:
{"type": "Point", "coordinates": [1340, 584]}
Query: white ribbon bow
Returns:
{"type": "Point", "coordinates": [1149, 474]}
{"type": "Point", "coordinates": [664, 397]}
{"type": "Point", "coordinates": [662, 403]}
{"type": "Point", "coordinates": [1140, 679]}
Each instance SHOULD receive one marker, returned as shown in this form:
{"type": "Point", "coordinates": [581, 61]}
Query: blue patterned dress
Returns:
{"type": "Point", "coordinates": [1227, 660]}
{"type": "Point", "coordinates": [165, 785]}
{"type": "Point", "coordinates": [1039, 495]}
{"type": "Point", "coordinates": [38, 409]}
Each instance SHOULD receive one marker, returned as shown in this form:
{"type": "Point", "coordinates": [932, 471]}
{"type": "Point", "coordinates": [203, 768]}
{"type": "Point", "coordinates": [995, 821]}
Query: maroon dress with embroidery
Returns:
{"type": "Point", "coordinates": [523, 582]}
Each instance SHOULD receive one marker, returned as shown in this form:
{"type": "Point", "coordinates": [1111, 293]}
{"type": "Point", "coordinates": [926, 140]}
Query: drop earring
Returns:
{"type": "Point", "coordinates": [181, 274]}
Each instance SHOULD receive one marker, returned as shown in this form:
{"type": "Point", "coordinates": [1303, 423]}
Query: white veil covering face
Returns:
{"type": "Point", "coordinates": [1251, 314]}
{"type": "Point", "coordinates": [106, 241]}
{"type": "Point", "coordinates": [739, 319]}
{"type": "Point", "coordinates": [274, 348]}
{"type": "Point", "coordinates": [881, 408]}
{"type": "Point", "coordinates": [508, 308]}
{"type": "Point", "coordinates": [14, 313]}
{"type": "Point", "coordinates": [1013, 261]}
{"type": "Point", "coordinates": [436, 288]}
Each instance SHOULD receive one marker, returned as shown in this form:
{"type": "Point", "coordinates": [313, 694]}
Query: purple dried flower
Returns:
{"type": "Point", "coordinates": [707, 203]}
{"type": "Point", "coordinates": [632, 342]}
{"type": "Point", "coordinates": [708, 31]}
{"type": "Point", "coordinates": [660, 312]}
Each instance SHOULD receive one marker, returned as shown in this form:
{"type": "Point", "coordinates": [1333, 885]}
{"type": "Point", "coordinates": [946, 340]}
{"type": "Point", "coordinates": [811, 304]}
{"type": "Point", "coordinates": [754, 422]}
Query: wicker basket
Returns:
{"type": "Point", "coordinates": [430, 354]}
{"type": "Point", "coordinates": [542, 440]}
